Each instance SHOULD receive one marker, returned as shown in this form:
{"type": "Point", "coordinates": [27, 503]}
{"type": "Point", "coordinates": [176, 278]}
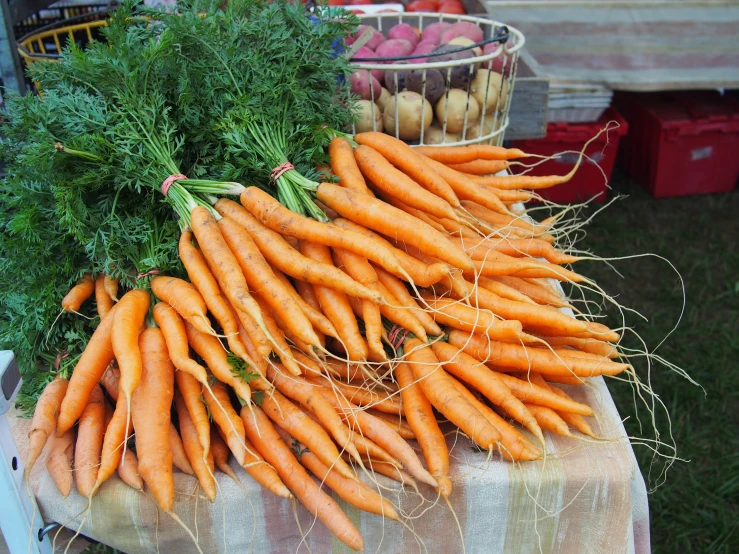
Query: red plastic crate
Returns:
{"type": "Point", "coordinates": [588, 181]}
{"type": "Point", "coordinates": [681, 142]}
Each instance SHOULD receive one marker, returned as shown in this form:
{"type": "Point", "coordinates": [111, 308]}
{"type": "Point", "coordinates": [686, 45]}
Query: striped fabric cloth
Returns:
{"type": "Point", "coordinates": [638, 45]}
{"type": "Point", "coordinates": [586, 497]}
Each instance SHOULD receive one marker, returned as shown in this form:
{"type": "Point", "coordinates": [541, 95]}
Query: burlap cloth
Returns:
{"type": "Point", "coordinates": [585, 498]}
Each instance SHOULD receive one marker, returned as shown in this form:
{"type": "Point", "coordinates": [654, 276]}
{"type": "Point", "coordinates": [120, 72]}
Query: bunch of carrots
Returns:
{"type": "Point", "coordinates": [320, 349]}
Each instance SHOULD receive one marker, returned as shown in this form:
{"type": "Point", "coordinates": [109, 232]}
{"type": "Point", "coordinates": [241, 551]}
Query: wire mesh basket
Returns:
{"type": "Point", "coordinates": [453, 101]}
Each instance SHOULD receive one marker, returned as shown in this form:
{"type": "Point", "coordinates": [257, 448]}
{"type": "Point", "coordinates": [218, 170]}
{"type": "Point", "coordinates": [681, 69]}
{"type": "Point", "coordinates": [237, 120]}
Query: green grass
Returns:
{"type": "Point", "coordinates": [697, 508]}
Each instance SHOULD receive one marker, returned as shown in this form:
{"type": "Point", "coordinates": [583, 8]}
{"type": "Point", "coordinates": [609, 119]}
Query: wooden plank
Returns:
{"type": "Point", "coordinates": [528, 112]}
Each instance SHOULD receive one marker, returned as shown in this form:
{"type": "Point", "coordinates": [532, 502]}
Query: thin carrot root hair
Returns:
{"type": "Point", "coordinates": [181, 523]}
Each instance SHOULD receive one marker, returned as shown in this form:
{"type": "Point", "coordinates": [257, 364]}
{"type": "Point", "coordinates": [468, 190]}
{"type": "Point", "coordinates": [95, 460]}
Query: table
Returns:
{"type": "Point", "coordinates": [591, 498]}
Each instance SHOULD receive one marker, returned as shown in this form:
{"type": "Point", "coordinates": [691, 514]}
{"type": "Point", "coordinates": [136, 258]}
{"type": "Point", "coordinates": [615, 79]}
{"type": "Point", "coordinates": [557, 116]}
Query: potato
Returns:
{"type": "Point", "coordinates": [404, 31]}
{"type": "Point", "coordinates": [384, 97]}
{"type": "Point", "coordinates": [497, 63]}
{"type": "Point", "coordinates": [464, 41]}
{"type": "Point", "coordinates": [473, 129]}
{"type": "Point", "coordinates": [366, 53]}
{"type": "Point", "coordinates": [460, 75]}
{"type": "Point", "coordinates": [436, 135]}
{"type": "Point", "coordinates": [435, 86]}
{"type": "Point", "coordinates": [377, 37]}
{"type": "Point", "coordinates": [366, 122]}
{"type": "Point", "coordinates": [394, 47]}
{"type": "Point", "coordinates": [486, 83]}
{"type": "Point", "coordinates": [463, 29]}
{"type": "Point", "coordinates": [414, 111]}
{"type": "Point", "coordinates": [361, 84]}
{"type": "Point", "coordinates": [433, 32]}
{"type": "Point", "coordinates": [454, 106]}
{"type": "Point", "coordinates": [423, 47]}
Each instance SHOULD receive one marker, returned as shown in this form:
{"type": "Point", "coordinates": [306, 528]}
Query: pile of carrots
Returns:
{"type": "Point", "coordinates": [320, 349]}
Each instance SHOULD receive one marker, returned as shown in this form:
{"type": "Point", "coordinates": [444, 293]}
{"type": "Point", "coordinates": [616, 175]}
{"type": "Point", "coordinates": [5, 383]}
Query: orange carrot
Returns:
{"type": "Point", "coordinates": [396, 287]}
{"type": "Point", "coordinates": [344, 165]}
{"type": "Point", "coordinates": [410, 162]}
{"type": "Point", "coordinates": [504, 222]}
{"type": "Point", "coordinates": [113, 443]}
{"type": "Point", "coordinates": [377, 215]}
{"type": "Point", "coordinates": [336, 307]}
{"type": "Point", "coordinates": [278, 218]}
{"type": "Point", "coordinates": [200, 460]}
{"type": "Point", "coordinates": [220, 452]}
{"type": "Point", "coordinates": [179, 456]}
{"type": "Point", "coordinates": [362, 271]}
{"type": "Point", "coordinates": [525, 390]}
{"type": "Point", "coordinates": [59, 461]}
{"type": "Point", "coordinates": [517, 248]}
{"type": "Point", "coordinates": [259, 277]}
{"type": "Point", "coordinates": [312, 400]}
{"type": "Point", "coordinates": [575, 420]}
{"type": "Point", "coordinates": [503, 290]}
{"type": "Point", "coordinates": [128, 319]}
{"type": "Point", "coordinates": [423, 422]}
{"type": "Point", "coordinates": [201, 276]}
{"type": "Point", "coordinates": [423, 275]}
{"type": "Point", "coordinates": [400, 316]}
{"type": "Point", "coordinates": [591, 346]}
{"type": "Point", "coordinates": [128, 471]}
{"type": "Point", "coordinates": [261, 432]}
{"type": "Point", "coordinates": [396, 422]}
{"type": "Point", "coordinates": [184, 298]}
{"type": "Point", "coordinates": [320, 322]}
{"type": "Point", "coordinates": [513, 445]}
{"type": "Point", "coordinates": [475, 374]}
{"type": "Point", "coordinates": [549, 420]}
{"type": "Point", "coordinates": [467, 189]}
{"type": "Point", "coordinates": [173, 329]}
{"type": "Point", "coordinates": [532, 359]}
{"type": "Point", "coordinates": [191, 392]}
{"type": "Point", "coordinates": [224, 266]}
{"type": "Point", "coordinates": [288, 260]}
{"type": "Point", "coordinates": [394, 182]}
{"type": "Point", "coordinates": [109, 381]}
{"type": "Point", "coordinates": [151, 406]}
{"type": "Point", "coordinates": [222, 412]}
{"type": "Point", "coordinates": [464, 154]}
{"type": "Point", "coordinates": [297, 424]}
{"type": "Point", "coordinates": [211, 350]}
{"type": "Point", "coordinates": [102, 299]}
{"type": "Point", "coordinates": [282, 348]}
{"type": "Point", "coordinates": [74, 299]}
{"type": "Point", "coordinates": [362, 396]}
{"type": "Point", "coordinates": [111, 286]}
{"type": "Point", "coordinates": [89, 443]}
{"type": "Point", "coordinates": [438, 388]}
{"type": "Point", "coordinates": [481, 167]}
{"type": "Point", "coordinates": [44, 421]}
{"type": "Point", "coordinates": [538, 294]}
{"type": "Point", "coordinates": [352, 491]}
{"type": "Point", "coordinates": [89, 369]}
{"type": "Point", "coordinates": [261, 471]}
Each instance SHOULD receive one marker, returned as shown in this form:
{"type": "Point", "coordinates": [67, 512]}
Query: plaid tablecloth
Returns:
{"type": "Point", "coordinates": [585, 497]}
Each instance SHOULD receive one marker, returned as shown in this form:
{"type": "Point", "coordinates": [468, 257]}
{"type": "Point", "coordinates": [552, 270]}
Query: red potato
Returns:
{"type": "Point", "coordinates": [463, 29]}
{"type": "Point", "coordinates": [361, 79]}
{"type": "Point", "coordinates": [377, 37]}
{"type": "Point", "coordinates": [421, 6]}
{"type": "Point", "coordinates": [394, 48]}
{"type": "Point", "coordinates": [500, 63]}
{"type": "Point", "coordinates": [405, 32]}
{"type": "Point", "coordinates": [423, 47]}
{"type": "Point", "coordinates": [433, 32]}
{"type": "Point", "coordinates": [365, 52]}
{"type": "Point", "coordinates": [452, 7]}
